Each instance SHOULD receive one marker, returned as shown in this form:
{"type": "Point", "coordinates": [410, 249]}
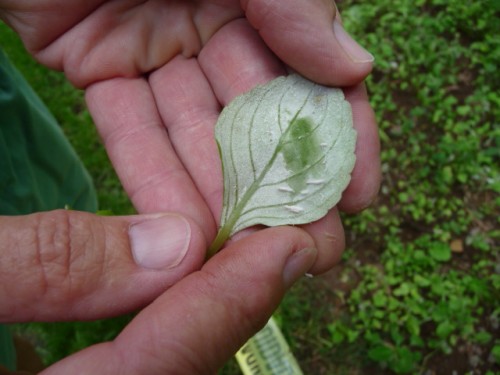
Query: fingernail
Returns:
{"type": "Point", "coordinates": [298, 264]}
{"type": "Point", "coordinates": [355, 52]}
{"type": "Point", "coordinates": [160, 243]}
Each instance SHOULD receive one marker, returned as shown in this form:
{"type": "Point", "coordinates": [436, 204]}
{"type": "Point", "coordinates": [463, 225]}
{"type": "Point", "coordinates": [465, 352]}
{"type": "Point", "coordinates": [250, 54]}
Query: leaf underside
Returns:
{"type": "Point", "coordinates": [287, 151]}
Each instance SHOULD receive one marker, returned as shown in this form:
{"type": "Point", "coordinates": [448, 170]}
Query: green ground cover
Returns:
{"type": "Point", "coordinates": [419, 285]}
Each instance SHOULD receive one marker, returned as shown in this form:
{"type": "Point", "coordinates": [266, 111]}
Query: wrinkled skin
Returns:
{"type": "Point", "coordinates": [156, 75]}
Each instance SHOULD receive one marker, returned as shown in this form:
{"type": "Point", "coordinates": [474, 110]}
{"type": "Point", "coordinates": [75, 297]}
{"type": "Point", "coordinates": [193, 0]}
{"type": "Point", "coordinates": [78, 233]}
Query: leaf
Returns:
{"type": "Point", "coordinates": [495, 353]}
{"type": "Point", "coordinates": [287, 151]}
{"type": "Point", "coordinates": [440, 252]}
{"type": "Point", "coordinates": [381, 353]}
{"type": "Point", "coordinates": [444, 329]}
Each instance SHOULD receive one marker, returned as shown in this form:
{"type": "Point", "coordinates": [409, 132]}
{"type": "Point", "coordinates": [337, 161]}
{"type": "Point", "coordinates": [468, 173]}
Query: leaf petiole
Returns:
{"type": "Point", "coordinates": [220, 239]}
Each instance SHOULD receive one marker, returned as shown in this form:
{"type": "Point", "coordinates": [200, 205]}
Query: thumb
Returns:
{"type": "Point", "coordinates": [308, 36]}
{"type": "Point", "coordinates": [63, 265]}
{"type": "Point", "coordinates": [199, 323]}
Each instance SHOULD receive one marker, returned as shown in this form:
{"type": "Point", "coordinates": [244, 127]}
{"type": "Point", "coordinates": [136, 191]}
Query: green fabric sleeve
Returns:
{"type": "Point", "coordinates": [7, 351]}
{"type": "Point", "coordinates": [39, 170]}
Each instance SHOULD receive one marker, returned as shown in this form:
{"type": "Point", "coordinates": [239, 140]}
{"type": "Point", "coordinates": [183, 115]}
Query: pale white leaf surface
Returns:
{"type": "Point", "coordinates": [287, 150]}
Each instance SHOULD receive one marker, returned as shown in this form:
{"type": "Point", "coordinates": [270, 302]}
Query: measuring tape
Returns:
{"type": "Point", "coordinates": [267, 353]}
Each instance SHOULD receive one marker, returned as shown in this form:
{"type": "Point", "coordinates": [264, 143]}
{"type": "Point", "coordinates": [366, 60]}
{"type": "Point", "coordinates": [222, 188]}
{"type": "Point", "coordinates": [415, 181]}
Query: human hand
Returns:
{"type": "Point", "coordinates": [156, 74]}
{"type": "Point", "coordinates": [63, 273]}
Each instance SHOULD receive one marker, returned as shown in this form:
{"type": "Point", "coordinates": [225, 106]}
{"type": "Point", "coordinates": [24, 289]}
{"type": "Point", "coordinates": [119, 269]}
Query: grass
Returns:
{"type": "Point", "coordinates": [419, 285]}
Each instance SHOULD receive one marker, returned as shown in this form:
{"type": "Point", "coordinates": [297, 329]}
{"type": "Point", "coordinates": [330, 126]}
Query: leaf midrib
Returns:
{"type": "Point", "coordinates": [227, 229]}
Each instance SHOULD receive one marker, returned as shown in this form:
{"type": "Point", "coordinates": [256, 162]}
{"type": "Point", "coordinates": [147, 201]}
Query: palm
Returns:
{"type": "Point", "coordinates": [156, 74]}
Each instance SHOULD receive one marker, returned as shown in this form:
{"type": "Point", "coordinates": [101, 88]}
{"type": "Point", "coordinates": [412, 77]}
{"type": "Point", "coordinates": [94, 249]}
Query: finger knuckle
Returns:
{"type": "Point", "coordinates": [62, 244]}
